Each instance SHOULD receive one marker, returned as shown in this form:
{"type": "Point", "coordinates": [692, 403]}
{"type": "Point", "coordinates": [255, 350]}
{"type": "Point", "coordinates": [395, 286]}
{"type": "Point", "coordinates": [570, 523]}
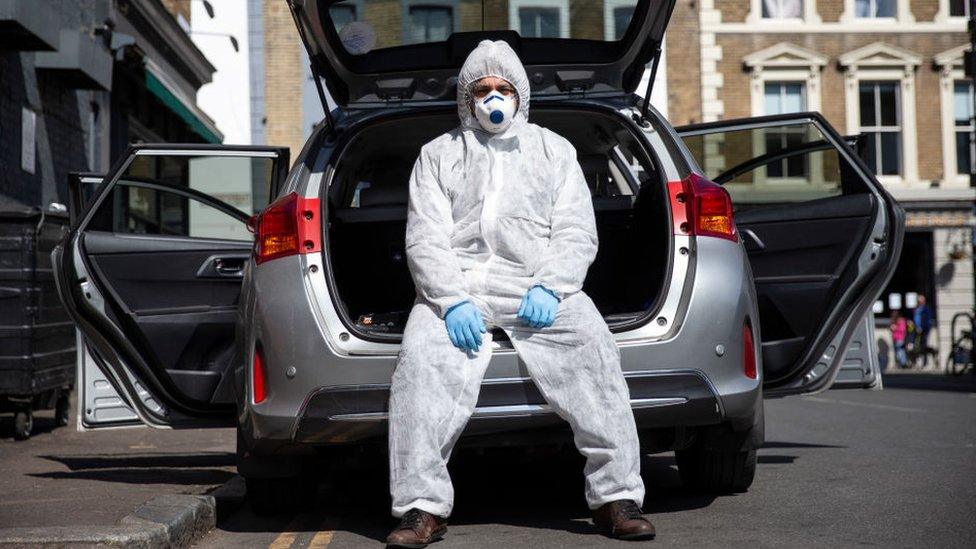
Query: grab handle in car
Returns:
{"type": "Point", "coordinates": [223, 266]}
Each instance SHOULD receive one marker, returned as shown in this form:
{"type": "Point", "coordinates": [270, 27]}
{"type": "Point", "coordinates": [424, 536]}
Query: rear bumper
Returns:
{"type": "Point", "coordinates": [352, 414]}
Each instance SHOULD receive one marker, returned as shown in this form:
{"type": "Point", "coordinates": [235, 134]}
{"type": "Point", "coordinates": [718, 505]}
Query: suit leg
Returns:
{"type": "Point", "coordinates": [432, 395]}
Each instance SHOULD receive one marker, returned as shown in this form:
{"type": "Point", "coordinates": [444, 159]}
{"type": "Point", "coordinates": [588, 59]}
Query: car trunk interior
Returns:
{"type": "Point", "coordinates": [367, 209]}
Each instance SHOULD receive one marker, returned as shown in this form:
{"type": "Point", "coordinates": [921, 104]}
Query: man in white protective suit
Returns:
{"type": "Point", "coordinates": [501, 232]}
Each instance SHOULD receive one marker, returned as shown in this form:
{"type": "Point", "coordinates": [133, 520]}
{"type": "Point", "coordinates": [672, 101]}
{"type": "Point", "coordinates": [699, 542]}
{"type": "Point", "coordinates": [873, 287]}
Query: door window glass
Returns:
{"type": "Point", "coordinates": [959, 8]}
{"type": "Point", "coordinates": [539, 22]}
{"type": "Point", "coordinates": [798, 165]}
{"type": "Point", "coordinates": [147, 197]}
{"type": "Point", "coordinates": [430, 23]}
{"type": "Point", "coordinates": [965, 132]}
{"type": "Point", "coordinates": [785, 98]}
{"type": "Point", "coordinates": [426, 21]}
{"type": "Point", "coordinates": [875, 8]}
{"type": "Point", "coordinates": [138, 209]}
{"type": "Point", "coordinates": [782, 9]}
{"type": "Point", "coordinates": [621, 20]}
{"type": "Point", "coordinates": [881, 124]}
{"type": "Point", "coordinates": [342, 14]}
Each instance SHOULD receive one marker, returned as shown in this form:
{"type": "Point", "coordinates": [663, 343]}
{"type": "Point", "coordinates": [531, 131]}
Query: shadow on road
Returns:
{"type": "Point", "coordinates": [931, 382]}
{"type": "Point", "coordinates": [189, 469]}
{"type": "Point", "coordinates": [779, 444]}
{"type": "Point", "coordinates": [496, 488]}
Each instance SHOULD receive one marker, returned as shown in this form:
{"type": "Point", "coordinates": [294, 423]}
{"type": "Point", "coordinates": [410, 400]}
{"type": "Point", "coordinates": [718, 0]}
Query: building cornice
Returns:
{"type": "Point", "coordinates": [856, 27]}
{"type": "Point", "coordinates": [785, 54]}
{"type": "Point", "coordinates": [952, 57]}
{"type": "Point", "coordinates": [880, 54]}
{"type": "Point", "coordinates": [186, 52]}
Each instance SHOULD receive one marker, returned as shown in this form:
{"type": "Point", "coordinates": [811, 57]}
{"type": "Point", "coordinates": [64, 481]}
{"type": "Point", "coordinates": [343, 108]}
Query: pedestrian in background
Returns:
{"type": "Point", "coordinates": [899, 331]}
{"type": "Point", "coordinates": [923, 324]}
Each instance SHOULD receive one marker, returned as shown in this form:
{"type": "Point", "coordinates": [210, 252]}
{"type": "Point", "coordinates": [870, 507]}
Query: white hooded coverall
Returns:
{"type": "Point", "coordinates": [490, 216]}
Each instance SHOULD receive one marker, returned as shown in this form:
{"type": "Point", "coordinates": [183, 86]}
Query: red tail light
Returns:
{"type": "Point", "coordinates": [258, 377]}
{"type": "Point", "coordinates": [288, 226]}
{"type": "Point", "coordinates": [748, 352]}
{"type": "Point", "coordinates": [701, 208]}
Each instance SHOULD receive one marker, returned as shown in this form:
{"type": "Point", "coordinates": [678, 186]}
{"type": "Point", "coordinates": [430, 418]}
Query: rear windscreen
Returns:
{"type": "Point", "coordinates": [368, 25]}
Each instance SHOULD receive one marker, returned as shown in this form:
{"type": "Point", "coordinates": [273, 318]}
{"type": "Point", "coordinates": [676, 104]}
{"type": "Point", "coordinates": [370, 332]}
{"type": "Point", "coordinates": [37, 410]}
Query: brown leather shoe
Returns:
{"type": "Point", "coordinates": [623, 519]}
{"type": "Point", "coordinates": [417, 529]}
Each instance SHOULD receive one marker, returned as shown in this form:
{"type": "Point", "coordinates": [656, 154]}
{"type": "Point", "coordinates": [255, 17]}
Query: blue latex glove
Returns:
{"type": "Point", "coordinates": [538, 308]}
{"type": "Point", "coordinates": [465, 326]}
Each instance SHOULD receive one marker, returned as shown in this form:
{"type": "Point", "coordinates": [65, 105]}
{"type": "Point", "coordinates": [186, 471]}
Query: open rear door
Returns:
{"type": "Point", "coordinates": [823, 237]}
{"type": "Point", "coordinates": [98, 403]}
{"type": "Point", "coordinates": [151, 273]}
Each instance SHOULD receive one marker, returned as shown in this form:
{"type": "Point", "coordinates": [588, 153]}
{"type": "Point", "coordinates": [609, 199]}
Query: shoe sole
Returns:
{"type": "Point", "coordinates": [635, 537]}
{"type": "Point", "coordinates": [434, 539]}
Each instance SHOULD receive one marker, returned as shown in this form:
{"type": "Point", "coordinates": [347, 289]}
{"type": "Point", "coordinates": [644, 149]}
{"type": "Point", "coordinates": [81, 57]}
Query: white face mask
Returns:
{"type": "Point", "coordinates": [495, 112]}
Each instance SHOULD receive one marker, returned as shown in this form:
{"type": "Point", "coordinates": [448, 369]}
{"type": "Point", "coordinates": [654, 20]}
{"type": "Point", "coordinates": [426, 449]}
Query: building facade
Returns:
{"type": "Point", "coordinates": [81, 79]}
{"type": "Point", "coordinates": [891, 70]}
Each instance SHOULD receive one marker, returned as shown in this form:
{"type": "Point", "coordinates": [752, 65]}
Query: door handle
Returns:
{"type": "Point", "coordinates": [229, 266]}
{"type": "Point", "coordinates": [223, 266]}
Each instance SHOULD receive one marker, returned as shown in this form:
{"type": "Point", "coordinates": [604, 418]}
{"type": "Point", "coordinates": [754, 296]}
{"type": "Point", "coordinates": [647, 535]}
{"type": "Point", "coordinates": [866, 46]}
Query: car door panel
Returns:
{"type": "Point", "coordinates": [152, 272]}
{"type": "Point", "coordinates": [822, 237]}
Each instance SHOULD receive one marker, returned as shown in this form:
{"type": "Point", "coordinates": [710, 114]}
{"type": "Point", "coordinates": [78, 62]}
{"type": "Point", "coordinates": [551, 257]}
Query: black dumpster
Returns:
{"type": "Point", "coordinates": [37, 339]}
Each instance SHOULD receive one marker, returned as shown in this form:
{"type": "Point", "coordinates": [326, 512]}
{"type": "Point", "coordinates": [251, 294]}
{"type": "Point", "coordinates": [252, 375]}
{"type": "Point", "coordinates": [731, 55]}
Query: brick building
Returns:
{"type": "Point", "coordinates": [889, 69]}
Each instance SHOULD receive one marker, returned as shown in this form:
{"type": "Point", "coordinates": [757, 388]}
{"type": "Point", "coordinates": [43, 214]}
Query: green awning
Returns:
{"type": "Point", "coordinates": [180, 109]}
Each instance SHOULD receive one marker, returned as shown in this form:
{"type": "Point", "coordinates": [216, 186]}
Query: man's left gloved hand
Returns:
{"type": "Point", "coordinates": [538, 308]}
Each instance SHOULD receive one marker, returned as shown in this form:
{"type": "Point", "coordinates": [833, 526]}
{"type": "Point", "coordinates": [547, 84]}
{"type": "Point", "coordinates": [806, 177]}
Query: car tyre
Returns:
{"type": "Point", "coordinates": [715, 471]}
{"type": "Point", "coordinates": [273, 496]}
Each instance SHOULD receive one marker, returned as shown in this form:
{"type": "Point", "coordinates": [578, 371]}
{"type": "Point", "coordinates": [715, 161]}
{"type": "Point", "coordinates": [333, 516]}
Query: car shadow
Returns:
{"type": "Point", "coordinates": [499, 488]}
{"type": "Point", "coordinates": [781, 444]}
{"type": "Point", "coordinates": [965, 383]}
{"type": "Point", "coordinates": [189, 469]}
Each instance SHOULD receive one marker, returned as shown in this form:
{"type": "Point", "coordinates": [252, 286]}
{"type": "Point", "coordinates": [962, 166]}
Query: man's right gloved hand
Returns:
{"type": "Point", "coordinates": [465, 326]}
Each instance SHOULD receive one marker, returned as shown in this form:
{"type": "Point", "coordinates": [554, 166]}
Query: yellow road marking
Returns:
{"type": "Point", "coordinates": [287, 537]}
{"type": "Point", "coordinates": [297, 526]}
{"type": "Point", "coordinates": [321, 540]}
{"type": "Point", "coordinates": [283, 541]}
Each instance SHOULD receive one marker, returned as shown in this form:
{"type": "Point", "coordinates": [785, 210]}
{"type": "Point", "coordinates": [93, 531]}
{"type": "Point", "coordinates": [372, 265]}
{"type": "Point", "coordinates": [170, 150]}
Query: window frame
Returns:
{"type": "Point", "coordinates": [755, 15]}
{"type": "Point", "coordinates": [406, 27]}
{"type": "Point", "coordinates": [356, 5]}
{"type": "Point", "coordinates": [945, 12]}
{"type": "Point", "coordinates": [879, 129]}
{"type": "Point", "coordinates": [903, 14]}
{"type": "Point", "coordinates": [562, 6]}
{"type": "Point", "coordinates": [969, 128]}
{"type": "Point", "coordinates": [950, 65]}
{"type": "Point", "coordinates": [609, 22]}
{"type": "Point", "coordinates": [762, 176]}
{"type": "Point", "coordinates": [883, 62]}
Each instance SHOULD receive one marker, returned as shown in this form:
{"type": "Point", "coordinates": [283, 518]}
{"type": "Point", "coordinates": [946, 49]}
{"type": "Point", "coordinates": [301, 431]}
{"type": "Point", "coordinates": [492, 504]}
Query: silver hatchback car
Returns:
{"type": "Point", "coordinates": [738, 260]}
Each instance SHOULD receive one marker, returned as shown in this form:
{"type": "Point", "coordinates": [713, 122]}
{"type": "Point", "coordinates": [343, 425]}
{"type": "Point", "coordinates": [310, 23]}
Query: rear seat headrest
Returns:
{"type": "Point", "coordinates": [388, 183]}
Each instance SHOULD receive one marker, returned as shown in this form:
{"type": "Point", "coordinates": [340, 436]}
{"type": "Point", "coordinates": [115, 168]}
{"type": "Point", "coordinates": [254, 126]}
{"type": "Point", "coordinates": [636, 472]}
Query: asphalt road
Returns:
{"type": "Point", "coordinates": [895, 468]}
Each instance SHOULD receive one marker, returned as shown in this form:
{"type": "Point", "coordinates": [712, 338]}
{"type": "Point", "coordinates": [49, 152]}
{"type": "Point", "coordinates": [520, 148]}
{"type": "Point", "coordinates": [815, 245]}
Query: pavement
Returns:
{"type": "Point", "coordinates": [63, 477]}
{"type": "Point", "coordinates": [892, 468]}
